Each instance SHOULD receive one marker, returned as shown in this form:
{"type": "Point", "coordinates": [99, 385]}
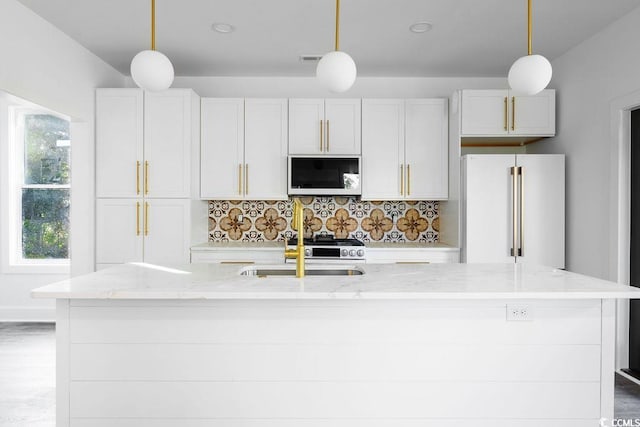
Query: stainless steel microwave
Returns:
{"type": "Point", "coordinates": [324, 175]}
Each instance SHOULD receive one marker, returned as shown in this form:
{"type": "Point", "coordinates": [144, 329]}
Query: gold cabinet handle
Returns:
{"type": "Point", "coordinates": [514, 208]}
{"type": "Point", "coordinates": [146, 177]}
{"type": "Point", "coordinates": [408, 179]}
{"type": "Point", "coordinates": [146, 218]}
{"type": "Point", "coordinates": [327, 145]}
{"type": "Point", "coordinates": [402, 180]}
{"type": "Point", "coordinates": [506, 122]}
{"type": "Point", "coordinates": [138, 177]}
{"type": "Point", "coordinates": [321, 135]}
{"type": "Point", "coordinates": [513, 113]}
{"type": "Point", "coordinates": [239, 179]}
{"type": "Point", "coordinates": [246, 179]}
{"type": "Point", "coordinates": [137, 218]}
{"type": "Point", "coordinates": [521, 173]}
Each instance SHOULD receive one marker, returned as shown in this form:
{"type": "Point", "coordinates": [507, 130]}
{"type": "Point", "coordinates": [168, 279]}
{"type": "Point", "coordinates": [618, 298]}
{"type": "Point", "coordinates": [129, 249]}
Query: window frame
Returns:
{"type": "Point", "coordinates": [12, 189]}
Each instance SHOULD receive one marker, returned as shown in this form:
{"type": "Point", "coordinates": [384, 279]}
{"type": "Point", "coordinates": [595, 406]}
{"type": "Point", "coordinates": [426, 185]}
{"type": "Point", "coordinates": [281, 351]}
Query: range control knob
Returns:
{"type": "Point", "coordinates": [352, 252]}
{"type": "Point", "coordinates": [360, 252]}
{"type": "Point", "coordinates": [307, 252]}
{"type": "Point", "coordinates": [344, 253]}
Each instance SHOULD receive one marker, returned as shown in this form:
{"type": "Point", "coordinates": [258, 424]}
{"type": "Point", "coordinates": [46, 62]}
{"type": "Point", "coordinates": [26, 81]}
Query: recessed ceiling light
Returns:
{"type": "Point", "coordinates": [421, 27]}
{"type": "Point", "coordinates": [310, 58]}
{"type": "Point", "coordinates": [223, 28]}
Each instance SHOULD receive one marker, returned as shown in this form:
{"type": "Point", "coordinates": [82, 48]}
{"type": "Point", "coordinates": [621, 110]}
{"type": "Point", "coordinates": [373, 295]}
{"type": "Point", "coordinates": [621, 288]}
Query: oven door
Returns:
{"type": "Point", "coordinates": [319, 176]}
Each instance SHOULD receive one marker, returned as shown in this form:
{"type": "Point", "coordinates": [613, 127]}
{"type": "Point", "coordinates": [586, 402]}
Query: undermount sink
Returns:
{"type": "Point", "coordinates": [290, 271]}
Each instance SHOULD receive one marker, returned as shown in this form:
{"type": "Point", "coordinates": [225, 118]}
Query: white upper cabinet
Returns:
{"type": "Point", "coordinates": [497, 113]}
{"type": "Point", "coordinates": [244, 149]}
{"type": "Point", "coordinates": [119, 142]}
{"type": "Point", "coordinates": [222, 148]}
{"type": "Point", "coordinates": [405, 149]}
{"type": "Point", "coordinates": [144, 143]}
{"type": "Point", "coordinates": [324, 127]}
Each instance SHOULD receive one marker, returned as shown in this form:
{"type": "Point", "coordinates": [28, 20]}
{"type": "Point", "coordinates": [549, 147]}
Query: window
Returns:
{"type": "Point", "coordinates": [40, 148]}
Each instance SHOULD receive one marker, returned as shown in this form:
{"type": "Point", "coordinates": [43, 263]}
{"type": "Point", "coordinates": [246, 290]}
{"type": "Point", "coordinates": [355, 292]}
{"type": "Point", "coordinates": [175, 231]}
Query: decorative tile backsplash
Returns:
{"type": "Point", "coordinates": [259, 220]}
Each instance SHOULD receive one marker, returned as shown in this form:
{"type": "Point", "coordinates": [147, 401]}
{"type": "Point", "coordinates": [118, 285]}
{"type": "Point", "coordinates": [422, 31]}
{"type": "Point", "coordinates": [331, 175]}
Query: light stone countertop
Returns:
{"type": "Point", "coordinates": [213, 246]}
{"type": "Point", "coordinates": [380, 281]}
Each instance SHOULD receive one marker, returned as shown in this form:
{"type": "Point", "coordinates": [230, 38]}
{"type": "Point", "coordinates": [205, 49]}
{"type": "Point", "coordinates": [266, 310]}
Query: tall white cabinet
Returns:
{"type": "Point", "coordinates": [244, 149]}
{"type": "Point", "coordinates": [405, 149]}
{"type": "Point", "coordinates": [146, 174]}
{"type": "Point", "coordinates": [513, 209]}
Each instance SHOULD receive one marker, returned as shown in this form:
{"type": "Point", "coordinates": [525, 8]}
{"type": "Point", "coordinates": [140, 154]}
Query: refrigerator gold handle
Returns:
{"type": "Point", "coordinates": [521, 173]}
{"type": "Point", "coordinates": [402, 180]}
{"type": "Point", "coordinates": [137, 176]}
{"type": "Point", "coordinates": [513, 113]}
{"type": "Point", "coordinates": [408, 179]}
{"type": "Point", "coordinates": [327, 144]}
{"type": "Point", "coordinates": [506, 114]}
{"type": "Point", "coordinates": [146, 218]}
{"type": "Point", "coordinates": [514, 209]}
{"type": "Point", "coordinates": [146, 177]}
{"type": "Point", "coordinates": [321, 133]}
{"type": "Point", "coordinates": [137, 218]}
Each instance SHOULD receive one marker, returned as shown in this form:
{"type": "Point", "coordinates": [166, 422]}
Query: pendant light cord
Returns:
{"type": "Point", "coordinates": [153, 24]}
{"type": "Point", "coordinates": [529, 25]}
{"type": "Point", "coordinates": [338, 25]}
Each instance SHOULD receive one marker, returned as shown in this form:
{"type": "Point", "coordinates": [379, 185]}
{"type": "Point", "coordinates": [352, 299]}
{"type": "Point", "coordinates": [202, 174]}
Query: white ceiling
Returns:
{"type": "Point", "coordinates": [469, 37]}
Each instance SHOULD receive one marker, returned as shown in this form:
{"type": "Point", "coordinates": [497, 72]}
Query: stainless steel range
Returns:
{"type": "Point", "coordinates": [327, 248]}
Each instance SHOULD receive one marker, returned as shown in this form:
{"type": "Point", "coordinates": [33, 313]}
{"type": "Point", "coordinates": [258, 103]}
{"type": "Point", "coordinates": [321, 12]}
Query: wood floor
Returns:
{"type": "Point", "coordinates": [27, 378]}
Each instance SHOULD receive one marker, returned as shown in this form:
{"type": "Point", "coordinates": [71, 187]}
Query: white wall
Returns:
{"type": "Point", "coordinates": [43, 65]}
{"type": "Point", "coordinates": [589, 78]}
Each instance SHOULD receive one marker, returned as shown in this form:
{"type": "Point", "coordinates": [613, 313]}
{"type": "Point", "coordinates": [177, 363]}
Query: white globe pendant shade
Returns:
{"type": "Point", "coordinates": [336, 71]}
{"type": "Point", "coordinates": [152, 70]}
{"type": "Point", "coordinates": [530, 74]}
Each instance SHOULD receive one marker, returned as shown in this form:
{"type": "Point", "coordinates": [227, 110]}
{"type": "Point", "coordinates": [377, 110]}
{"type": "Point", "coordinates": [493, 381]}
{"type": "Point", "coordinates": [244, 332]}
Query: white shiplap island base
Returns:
{"type": "Point", "coordinates": [400, 346]}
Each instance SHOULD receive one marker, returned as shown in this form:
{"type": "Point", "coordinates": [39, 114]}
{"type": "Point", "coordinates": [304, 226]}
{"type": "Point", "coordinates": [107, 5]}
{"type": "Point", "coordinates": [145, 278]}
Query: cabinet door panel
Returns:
{"type": "Point", "coordinates": [342, 126]}
{"type": "Point", "coordinates": [167, 147]}
{"type": "Point", "coordinates": [382, 148]}
{"type": "Point", "coordinates": [487, 208]}
{"type": "Point", "coordinates": [305, 116]}
{"type": "Point", "coordinates": [221, 150]}
{"type": "Point", "coordinates": [119, 140]}
{"type": "Point", "coordinates": [167, 231]}
{"type": "Point", "coordinates": [426, 149]}
{"type": "Point", "coordinates": [543, 188]}
{"type": "Point", "coordinates": [265, 149]}
{"type": "Point", "coordinates": [484, 112]}
{"type": "Point", "coordinates": [118, 235]}
{"type": "Point", "coordinates": [534, 115]}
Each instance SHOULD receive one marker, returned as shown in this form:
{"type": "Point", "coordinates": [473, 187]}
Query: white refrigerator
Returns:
{"type": "Point", "coordinates": [513, 208]}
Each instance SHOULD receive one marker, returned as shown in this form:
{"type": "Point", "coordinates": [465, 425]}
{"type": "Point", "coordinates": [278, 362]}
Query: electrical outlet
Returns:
{"type": "Point", "coordinates": [519, 312]}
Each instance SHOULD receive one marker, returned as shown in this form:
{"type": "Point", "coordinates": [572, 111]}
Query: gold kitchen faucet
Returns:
{"type": "Point", "coordinates": [298, 225]}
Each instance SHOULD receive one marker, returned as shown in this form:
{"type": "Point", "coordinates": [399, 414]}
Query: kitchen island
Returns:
{"type": "Point", "coordinates": [400, 345]}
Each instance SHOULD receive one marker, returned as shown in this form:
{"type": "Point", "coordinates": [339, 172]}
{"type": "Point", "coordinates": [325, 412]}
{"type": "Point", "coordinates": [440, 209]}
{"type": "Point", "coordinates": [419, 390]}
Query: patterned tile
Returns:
{"type": "Point", "coordinates": [383, 221]}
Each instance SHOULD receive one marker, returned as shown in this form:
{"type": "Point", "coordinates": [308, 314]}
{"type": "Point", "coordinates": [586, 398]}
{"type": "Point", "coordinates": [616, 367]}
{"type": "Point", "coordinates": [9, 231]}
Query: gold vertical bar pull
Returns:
{"type": "Point", "coordinates": [408, 179]}
{"type": "Point", "coordinates": [513, 113]}
{"type": "Point", "coordinates": [402, 180]}
{"type": "Point", "coordinates": [246, 179]}
{"type": "Point", "coordinates": [321, 134]}
{"type": "Point", "coordinates": [137, 218]}
{"type": "Point", "coordinates": [146, 177]}
{"type": "Point", "coordinates": [327, 144]}
{"type": "Point", "coordinates": [138, 177]}
{"type": "Point", "coordinates": [239, 179]}
{"type": "Point", "coordinates": [506, 122]}
{"type": "Point", "coordinates": [146, 218]}
{"type": "Point", "coordinates": [521, 173]}
{"type": "Point", "coordinates": [514, 208]}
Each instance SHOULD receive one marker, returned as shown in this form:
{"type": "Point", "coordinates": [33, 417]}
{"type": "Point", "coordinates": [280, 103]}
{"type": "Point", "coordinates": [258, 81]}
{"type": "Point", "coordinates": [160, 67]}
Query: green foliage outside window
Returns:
{"type": "Point", "coordinates": [45, 211]}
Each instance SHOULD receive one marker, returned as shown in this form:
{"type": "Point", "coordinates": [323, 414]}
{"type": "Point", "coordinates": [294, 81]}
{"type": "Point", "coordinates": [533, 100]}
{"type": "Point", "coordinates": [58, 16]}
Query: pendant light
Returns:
{"type": "Point", "coordinates": [532, 73]}
{"type": "Point", "coordinates": [336, 70]}
{"type": "Point", "coordinates": [150, 69]}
